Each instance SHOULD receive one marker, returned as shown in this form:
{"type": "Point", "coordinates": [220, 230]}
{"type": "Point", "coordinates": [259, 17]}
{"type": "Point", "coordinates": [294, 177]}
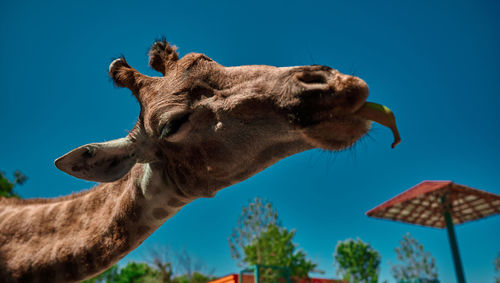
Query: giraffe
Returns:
{"type": "Point", "coordinates": [201, 127]}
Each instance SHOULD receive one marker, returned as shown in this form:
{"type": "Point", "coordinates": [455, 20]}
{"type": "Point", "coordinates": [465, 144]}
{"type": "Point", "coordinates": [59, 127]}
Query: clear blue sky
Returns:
{"type": "Point", "coordinates": [435, 63]}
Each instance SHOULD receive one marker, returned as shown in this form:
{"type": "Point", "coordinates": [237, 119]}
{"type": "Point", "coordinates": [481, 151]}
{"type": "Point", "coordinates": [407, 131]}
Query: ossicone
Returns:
{"type": "Point", "coordinates": [162, 56]}
{"type": "Point", "coordinates": [123, 75]}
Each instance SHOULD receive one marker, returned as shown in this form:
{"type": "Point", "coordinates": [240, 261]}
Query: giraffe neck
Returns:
{"type": "Point", "coordinates": [77, 237]}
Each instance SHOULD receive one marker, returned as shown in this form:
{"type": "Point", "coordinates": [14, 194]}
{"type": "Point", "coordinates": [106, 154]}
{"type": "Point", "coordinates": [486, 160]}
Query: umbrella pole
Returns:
{"type": "Point", "coordinates": [453, 240]}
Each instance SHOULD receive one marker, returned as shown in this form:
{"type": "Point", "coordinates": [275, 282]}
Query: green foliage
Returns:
{"type": "Point", "coordinates": [133, 272]}
{"type": "Point", "coordinates": [277, 249]}
{"type": "Point", "coordinates": [138, 273]}
{"type": "Point", "coordinates": [496, 263]}
{"type": "Point", "coordinates": [416, 263]}
{"type": "Point", "coordinates": [143, 273]}
{"type": "Point", "coordinates": [260, 239]}
{"type": "Point", "coordinates": [191, 268]}
{"type": "Point", "coordinates": [357, 261]}
{"type": "Point", "coordinates": [196, 277]}
{"type": "Point", "coordinates": [7, 186]}
{"type": "Point", "coordinates": [253, 221]}
{"type": "Point", "coordinates": [110, 275]}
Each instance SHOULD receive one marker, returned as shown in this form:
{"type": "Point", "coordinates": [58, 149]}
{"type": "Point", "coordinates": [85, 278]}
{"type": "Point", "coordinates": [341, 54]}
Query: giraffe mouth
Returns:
{"type": "Point", "coordinates": [338, 130]}
{"type": "Point", "coordinates": [334, 132]}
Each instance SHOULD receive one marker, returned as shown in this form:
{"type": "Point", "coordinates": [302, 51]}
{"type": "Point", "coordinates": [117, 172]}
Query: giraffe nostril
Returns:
{"type": "Point", "coordinates": [311, 78]}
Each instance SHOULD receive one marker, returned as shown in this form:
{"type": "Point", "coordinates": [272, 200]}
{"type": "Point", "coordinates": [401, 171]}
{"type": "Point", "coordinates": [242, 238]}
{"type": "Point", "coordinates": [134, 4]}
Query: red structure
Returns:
{"type": "Point", "coordinates": [422, 205]}
{"type": "Point", "coordinates": [440, 204]}
{"type": "Point", "coordinates": [248, 278]}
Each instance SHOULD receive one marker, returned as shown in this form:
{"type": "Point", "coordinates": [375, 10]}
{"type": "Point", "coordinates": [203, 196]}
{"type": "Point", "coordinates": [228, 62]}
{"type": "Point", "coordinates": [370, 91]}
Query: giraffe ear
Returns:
{"type": "Point", "coordinates": [99, 162]}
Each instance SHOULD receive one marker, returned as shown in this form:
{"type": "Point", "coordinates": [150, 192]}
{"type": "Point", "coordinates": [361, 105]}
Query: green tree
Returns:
{"type": "Point", "coordinates": [137, 273]}
{"type": "Point", "coordinates": [416, 263]}
{"type": "Point", "coordinates": [357, 261]}
{"type": "Point", "coordinates": [159, 270]}
{"type": "Point", "coordinates": [7, 186]}
{"type": "Point", "coordinates": [196, 277]}
{"type": "Point", "coordinates": [496, 263]}
{"type": "Point", "coordinates": [110, 275]}
{"type": "Point", "coordinates": [133, 272]}
{"type": "Point", "coordinates": [277, 249]}
{"type": "Point", "coordinates": [253, 221]}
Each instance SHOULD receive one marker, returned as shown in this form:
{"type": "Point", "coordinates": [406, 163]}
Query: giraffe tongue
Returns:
{"type": "Point", "coordinates": [382, 115]}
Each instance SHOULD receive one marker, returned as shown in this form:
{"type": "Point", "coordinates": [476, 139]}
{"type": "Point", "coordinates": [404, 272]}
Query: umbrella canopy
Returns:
{"type": "Point", "coordinates": [423, 204]}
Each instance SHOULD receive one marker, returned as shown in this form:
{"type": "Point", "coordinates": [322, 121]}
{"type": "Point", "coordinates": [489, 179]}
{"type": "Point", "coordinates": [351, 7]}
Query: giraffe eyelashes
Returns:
{"type": "Point", "coordinates": [173, 125]}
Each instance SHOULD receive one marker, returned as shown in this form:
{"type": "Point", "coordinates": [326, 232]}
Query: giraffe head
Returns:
{"type": "Point", "coordinates": [208, 126]}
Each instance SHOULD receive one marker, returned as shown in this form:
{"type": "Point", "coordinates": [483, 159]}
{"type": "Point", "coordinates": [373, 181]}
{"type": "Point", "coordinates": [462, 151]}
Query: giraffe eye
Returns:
{"type": "Point", "coordinates": [173, 125]}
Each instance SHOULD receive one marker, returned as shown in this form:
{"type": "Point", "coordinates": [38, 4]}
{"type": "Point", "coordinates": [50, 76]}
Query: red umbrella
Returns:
{"type": "Point", "coordinates": [440, 204]}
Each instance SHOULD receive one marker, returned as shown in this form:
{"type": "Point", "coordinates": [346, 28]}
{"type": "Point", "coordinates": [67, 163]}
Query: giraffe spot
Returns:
{"type": "Point", "coordinates": [174, 202]}
{"type": "Point", "coordinates": [160, 213]}
{"type": "Point", "coordinates": [53, 212]}
{"type": "Point", "coordinates": [143, 229]}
